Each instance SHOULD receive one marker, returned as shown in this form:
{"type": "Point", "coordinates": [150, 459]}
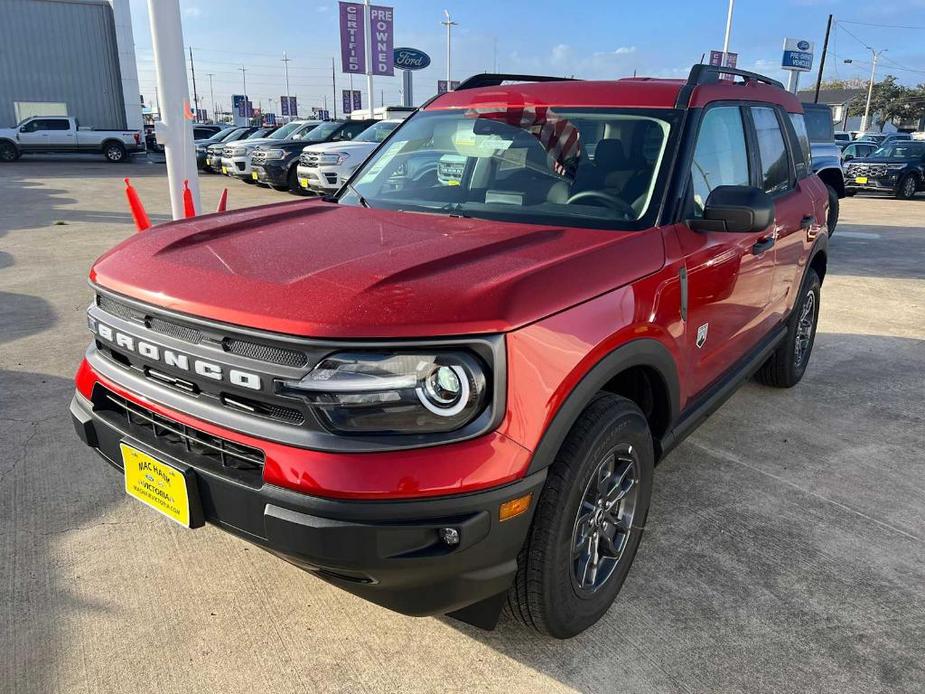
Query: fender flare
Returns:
{"type": "Point", "coordinates": [111, 140]}
{"type": "Point", "coordinates": [9, 141]}
{"type": "Point", "coordinates": [642, 352]}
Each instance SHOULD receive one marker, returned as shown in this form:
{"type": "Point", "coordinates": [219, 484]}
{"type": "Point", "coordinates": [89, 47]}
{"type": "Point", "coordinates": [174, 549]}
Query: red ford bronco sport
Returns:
{"type": "Point", "coordinates": [445, 389]}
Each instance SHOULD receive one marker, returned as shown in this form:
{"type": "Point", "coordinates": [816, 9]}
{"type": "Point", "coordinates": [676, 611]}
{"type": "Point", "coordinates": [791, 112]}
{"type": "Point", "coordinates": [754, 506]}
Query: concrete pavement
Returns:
{"type": "Point", "coordinates": [785, 549]}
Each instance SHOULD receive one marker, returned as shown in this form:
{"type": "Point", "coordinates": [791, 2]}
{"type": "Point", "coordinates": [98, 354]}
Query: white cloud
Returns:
{"type": "Point", "coordinates": [625, 50]}
{"type": "Point", "coordinates": [192, 12]}
{"type": "Point", "coordinates": [561, 54]}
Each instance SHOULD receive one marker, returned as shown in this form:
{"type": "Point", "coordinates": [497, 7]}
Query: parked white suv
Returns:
{"type": "Point", "coordinates": [323, 168]}
{"type": "Point", "coordinates": [236, 156]}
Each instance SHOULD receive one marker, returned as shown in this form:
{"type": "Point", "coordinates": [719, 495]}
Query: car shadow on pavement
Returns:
{"type": "Point", "coordinates": [868, 250]}
{"type": "Point", "coordinates": [785, 546]}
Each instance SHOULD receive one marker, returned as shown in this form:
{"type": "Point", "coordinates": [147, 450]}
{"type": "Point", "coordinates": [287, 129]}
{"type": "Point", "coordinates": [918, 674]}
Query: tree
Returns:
{"type": "Point", "coordinates": [889, 102]}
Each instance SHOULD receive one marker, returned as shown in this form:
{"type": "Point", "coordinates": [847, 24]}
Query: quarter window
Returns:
{"type": "Point", "coordinates": [720, 157]}
{"type": "Point", "coordinates": [775, 165]}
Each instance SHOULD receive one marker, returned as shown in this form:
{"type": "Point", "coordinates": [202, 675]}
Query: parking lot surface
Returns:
{"type": "Point", "coordinates": [785, 548]}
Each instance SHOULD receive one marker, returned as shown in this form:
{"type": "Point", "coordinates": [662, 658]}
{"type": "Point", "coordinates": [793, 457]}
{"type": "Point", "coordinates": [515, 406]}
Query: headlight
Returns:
{"type": "Point", "coordinates": [276, 154]}
{"type": "Point", "coordinates": [334, 159]}
{"type": "Point", "coordinates": [395, 393]}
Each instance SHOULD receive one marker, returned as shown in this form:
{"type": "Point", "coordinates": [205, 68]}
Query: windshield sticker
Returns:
{"type": "Point", "coordinates": [383, 160]}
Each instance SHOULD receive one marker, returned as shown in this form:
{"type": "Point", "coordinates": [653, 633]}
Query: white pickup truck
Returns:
{"type": "Point", "coordinates": [63, 134]}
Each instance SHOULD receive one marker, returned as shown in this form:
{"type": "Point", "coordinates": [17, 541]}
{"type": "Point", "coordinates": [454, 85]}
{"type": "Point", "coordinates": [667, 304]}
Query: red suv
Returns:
{"type": "Point", "coordinates": [445, 389]}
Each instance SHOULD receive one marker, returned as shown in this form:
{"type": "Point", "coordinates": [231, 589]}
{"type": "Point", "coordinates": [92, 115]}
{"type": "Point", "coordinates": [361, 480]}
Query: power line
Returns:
{"type": "Point", "coordinates": [883, 26]}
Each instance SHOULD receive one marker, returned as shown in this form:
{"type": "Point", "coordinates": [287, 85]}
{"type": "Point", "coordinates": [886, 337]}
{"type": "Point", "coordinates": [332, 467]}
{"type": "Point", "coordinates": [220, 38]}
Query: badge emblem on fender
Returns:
{"type": "Point", "coordinates": [702, 334]}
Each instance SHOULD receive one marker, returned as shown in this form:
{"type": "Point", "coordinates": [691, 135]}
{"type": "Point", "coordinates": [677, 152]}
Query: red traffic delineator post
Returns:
{"type": "Point", "coordinates": [137, 209]}
{"type": "Point", "coordinates": [223, 201]}
{"type": "Point", "coordinates": [188, 209]}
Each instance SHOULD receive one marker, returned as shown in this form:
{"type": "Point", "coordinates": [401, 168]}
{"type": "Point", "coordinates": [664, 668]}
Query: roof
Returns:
{"type": "Point", "coordinates": [831, 97]}
{"type": "Point", "coordinates": [636, 92]}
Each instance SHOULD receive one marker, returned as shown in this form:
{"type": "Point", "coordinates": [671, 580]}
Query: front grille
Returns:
{"type": "Point", "coordinates": [252, 350]}
{"type": "Point", "coordinates": [178, 332]}
{"type": "Point", "coordinates": [869, 170]}
{"type": "Point", "coordinates": [244, 348]}
{"type": "Point", "coordinates": [227, 152]}
{"type": "Point", "coordinates": [258, 157]}
{"type": "Point", "coordinates": [308, 159]}
{"type": "Point", "coordinates": [243, 463]}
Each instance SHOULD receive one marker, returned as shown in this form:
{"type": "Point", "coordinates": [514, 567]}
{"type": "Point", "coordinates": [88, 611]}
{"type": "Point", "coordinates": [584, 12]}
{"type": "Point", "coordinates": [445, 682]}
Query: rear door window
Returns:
{"type": "Point", "coordinates": [720, 157]}
{"type": "Point", "coordinates": [775, 171]}
{"type": "Point", "coordinates": [799, 127]}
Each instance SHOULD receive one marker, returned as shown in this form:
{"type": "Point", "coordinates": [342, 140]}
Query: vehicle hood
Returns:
{"type": "Point", "coordinates": [252, 143]}
{"type": "Point", "coordinates": [318, 269]}
{"type": "Point", "coordinates": [342, 147]}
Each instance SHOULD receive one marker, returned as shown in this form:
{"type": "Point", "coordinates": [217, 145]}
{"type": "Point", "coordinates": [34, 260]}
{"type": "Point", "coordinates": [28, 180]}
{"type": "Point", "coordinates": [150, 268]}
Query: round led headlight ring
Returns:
{"type": "Point", "coordinates": [445, 391]}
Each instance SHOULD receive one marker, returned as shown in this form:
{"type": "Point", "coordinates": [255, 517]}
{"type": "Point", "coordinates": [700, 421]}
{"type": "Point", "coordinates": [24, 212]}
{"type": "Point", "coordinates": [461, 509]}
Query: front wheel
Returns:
{"type": "Point", "coordinates": [786, 366]}
{"type": "Point", "coordinates": [588, 521]}
{"type": "Point", "coordinates": [8, 152]}
{"type": "Point", "coordinates": [114, 152]}
{"type": "Point", "coordinates": [906, 188]}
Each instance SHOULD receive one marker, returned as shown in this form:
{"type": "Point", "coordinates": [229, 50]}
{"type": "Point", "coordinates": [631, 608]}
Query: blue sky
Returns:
{"type": "Point", "coordinates": [596, 39]}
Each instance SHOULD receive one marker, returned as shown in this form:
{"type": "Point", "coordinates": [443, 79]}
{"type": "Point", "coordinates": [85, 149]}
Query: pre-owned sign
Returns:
{"type": "Point", "coordinates": [798, 55]}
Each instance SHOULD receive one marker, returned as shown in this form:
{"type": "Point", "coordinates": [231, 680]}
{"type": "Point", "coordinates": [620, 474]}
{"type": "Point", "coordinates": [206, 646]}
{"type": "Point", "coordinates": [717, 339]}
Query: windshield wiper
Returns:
{"type": "Point", "coordinates": [363, 201]}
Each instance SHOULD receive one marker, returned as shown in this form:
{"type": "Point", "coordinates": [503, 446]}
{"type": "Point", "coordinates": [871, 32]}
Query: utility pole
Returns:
{"type": "Point", "coordinates": [825, 48]}
{"type": "Point", "coordinates": [212, 94]}
{"type": "Point", "coordinates": [285, 60]}
{"type": "Point", "coordinates": [449, 24]}
{"type": "Point", "coordinates": [195, 93]}
{"type": "Point", "coordinates": [870, 86]}
{"type": "Point", "coordinates": [382, 97]}
{"type": "Point", "coordinates": [728, 29]}
{"type": "Point", "coordinates": [334, 87]}
{"type": "Point", "coordinates": [368, 37]}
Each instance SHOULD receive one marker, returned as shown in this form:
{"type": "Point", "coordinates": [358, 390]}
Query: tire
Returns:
{"type": "Point", "coordinates": [850, 193]}
{"type": "Point", "coordinates": [293, 182]}
{"type": "Point", "coordinates": [554, 590]}
{"type": "Point", "coordinates": [907, 187]}
{"type": "Point", "coordinates": [114, 152]}
{"type": "Point", "coordinates": [785, 367]}
{"type": "Point", "coordinates": [8, 152]}
{"type": "Point", "coordinates": [832, 219]}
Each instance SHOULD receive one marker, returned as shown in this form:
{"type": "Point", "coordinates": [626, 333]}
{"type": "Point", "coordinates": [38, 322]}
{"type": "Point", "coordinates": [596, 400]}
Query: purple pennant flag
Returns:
{"type": "Point", "coordinates": [382, 29]}
{"type": "Point", "coordinates": [352, 44]}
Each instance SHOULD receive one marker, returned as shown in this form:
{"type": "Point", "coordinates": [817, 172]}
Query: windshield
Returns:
{"type": "Point", "coordinates": [571, 166]}
{"type": "Point", "coordinates": [376, 133]}
{"type": "Point", "coordinates": [283, 132]}
{"type": "Point", "coordinates": [901, 150]}
{"type": "Point", "coordinates": [259, 133]}
{"type": "Point", "coordinates": [303, 131]}
{"type": "Point", "coordinates": [322, 132]}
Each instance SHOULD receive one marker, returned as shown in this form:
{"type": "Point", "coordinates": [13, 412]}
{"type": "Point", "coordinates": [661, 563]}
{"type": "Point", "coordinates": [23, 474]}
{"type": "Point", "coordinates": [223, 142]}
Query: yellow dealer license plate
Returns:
{"type": "Point", "coordinates": [160, 486]}
{"type": "Point", "coordinates": [254, 175]}
{"type": "Point", "coordinates": [225, 170]}
{"type": "Point", "coordinates": [861, 179]}
{"type": "Point", "coordinates": [303, 182]}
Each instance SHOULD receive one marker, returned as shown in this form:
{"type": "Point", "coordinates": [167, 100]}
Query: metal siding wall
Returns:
{"type": "Point", "coordinates": [55, 50]}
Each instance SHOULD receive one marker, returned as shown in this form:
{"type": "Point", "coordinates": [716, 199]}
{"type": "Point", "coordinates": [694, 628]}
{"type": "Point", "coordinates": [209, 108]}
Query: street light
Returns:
{"type": "Point", "coordinates": [870, 86]}
{"type": "Point", "coordinates": [449, 24]}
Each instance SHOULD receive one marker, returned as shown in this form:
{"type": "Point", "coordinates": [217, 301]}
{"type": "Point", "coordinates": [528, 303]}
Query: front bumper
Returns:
{"type": "Point", "coordinates": [271, 173]}
{"type": "Point", "coordinates": [879, 184]}
{"type": "Point", "coordinates": [388, 552]}
{"type": "Point", "coordinates": [318, 179]}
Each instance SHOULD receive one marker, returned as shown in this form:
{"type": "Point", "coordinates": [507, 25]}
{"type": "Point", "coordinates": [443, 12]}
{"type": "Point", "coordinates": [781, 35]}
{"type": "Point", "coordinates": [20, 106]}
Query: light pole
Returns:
{"type": "Point", "coordinates": [449, 24]}
{"type": "Point", "coordinates": [285, 60]}
{"type": "Point", "coordinates": [212, 94]}
{"type": "Point", "coordinates": [728, 29]}
{"type": "Point", "coordinates": [870, 86]}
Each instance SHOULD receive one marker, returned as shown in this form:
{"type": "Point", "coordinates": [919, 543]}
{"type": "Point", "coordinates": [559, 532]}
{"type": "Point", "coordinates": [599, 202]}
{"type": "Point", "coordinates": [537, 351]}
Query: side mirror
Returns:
{"type": "Point", "coordinates": [849, 157]}
{"type": "Point", "coordinates": [736, 209]}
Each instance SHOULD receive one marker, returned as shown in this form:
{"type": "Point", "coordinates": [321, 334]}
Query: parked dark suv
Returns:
{"type": "Point", "coordinates": [448, 393]}
{"type": "Point", "coordinates": [276, 165]}
{"type": "Point", "coordinates": [897, 168]}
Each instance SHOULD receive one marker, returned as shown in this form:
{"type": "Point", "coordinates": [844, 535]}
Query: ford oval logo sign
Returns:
{"type": "Point", "coordinates": [411, 59]}
{"type": "Point", "coordinates": [803, 45]}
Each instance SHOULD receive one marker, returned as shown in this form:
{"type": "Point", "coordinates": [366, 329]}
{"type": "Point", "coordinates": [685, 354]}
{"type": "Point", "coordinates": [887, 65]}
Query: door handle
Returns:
{"type": "Point", "coordinates": [807, 222]}
{"type": "Point", "coordinates": [764, 244]}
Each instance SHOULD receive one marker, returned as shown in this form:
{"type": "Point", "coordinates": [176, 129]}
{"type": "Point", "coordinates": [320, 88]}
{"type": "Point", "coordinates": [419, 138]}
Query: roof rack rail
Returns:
{"type": "Point", "coordinates": [493, 79]}
{"type": "Point", "coordinates": [709, 74]}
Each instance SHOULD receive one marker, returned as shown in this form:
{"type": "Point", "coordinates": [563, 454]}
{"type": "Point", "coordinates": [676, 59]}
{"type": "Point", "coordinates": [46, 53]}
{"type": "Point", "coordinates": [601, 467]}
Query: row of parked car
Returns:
{"type": "Point", "coordinates": [884, 163]}
{"type": "Point", "coordinates": [301, 156]}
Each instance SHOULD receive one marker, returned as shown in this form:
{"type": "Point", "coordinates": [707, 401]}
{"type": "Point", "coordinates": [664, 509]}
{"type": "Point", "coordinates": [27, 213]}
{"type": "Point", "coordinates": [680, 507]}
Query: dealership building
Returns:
{"type": "Point", "coordinates": [69, 57]}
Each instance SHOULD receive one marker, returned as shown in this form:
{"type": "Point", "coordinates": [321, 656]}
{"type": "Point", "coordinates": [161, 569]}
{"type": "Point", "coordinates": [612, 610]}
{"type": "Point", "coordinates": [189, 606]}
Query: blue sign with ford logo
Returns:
{"type": "Point", "coordinates": [410, 59]}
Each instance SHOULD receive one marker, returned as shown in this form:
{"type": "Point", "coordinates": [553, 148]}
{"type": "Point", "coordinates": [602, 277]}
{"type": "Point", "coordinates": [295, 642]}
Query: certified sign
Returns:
{"type": "Point", "coordinates": [798, 55]}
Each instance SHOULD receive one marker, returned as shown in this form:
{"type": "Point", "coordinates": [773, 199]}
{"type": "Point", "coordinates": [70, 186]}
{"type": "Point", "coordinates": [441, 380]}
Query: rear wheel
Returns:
{"type": "Point", "coordinates": [832, 219]}
{"type": "Point", "coordinates": [907, 187]}
{"type": "Point", "coordinates": [8, 152]}
{"type": "Point", "coordinates": [588, 522]}
{"type": "Point", "coordinates": [114, 152]}
{"type": "Point", "coordinates": [786, 366]}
